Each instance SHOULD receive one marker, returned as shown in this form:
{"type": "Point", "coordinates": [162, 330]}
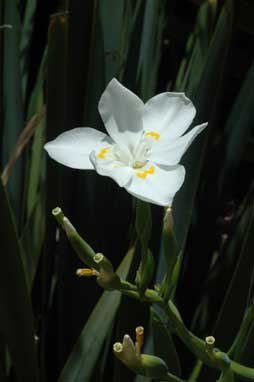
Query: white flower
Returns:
{"type": "Point", "coordinates": [144, 145]}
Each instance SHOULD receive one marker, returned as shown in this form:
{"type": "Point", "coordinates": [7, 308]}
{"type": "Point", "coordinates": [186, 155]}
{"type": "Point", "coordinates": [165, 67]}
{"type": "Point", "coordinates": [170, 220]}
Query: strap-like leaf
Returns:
{"type": "Point", "coordinates": [80, 365]}
{"type": "Point", "coordinates": [16, 315]}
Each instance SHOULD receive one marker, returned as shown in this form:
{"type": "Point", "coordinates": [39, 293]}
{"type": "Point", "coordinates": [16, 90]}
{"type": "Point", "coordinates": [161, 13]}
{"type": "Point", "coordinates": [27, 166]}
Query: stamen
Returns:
{"type": "Point", "coordinates": [103, 153]}
{"type": "Point", "coordinates": [139, 338]}
{"type": "Point", "coordinates": [143, 174]}
{"type": "Point", "coordinates": [153, 134]}
{"type": "Point", "coordinates": [86, 272]}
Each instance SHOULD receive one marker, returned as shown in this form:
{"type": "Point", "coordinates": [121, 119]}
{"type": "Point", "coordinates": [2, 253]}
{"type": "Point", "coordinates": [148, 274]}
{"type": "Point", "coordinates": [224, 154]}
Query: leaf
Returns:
{"type": "Point", "coordinates": [80, 365]}
{"type": "Point", "coordinates": [235, 301]}
{"type": "Point", "coordinates": [13, 111]}
{"type": "Point", "coordinates": [238, 129]}
{"type": "Point", "coordinates": [150, 47]}
{"type": "Point", "coordinates": [36, 104]}
{"type": "Point", "coordinates": [192, 65]}
{"type": "Point", "coordinates": [32, 238]}
{"type": "Point", "coordinates": [163, 344]}
{"type": "Point", "coordinates": [16, 315]}
{"type": "Point", "coordinates": [206, 100]}
{"type": "Point", "coordinates": [241, 345]}
{"type": "Point", "coordinates": [112, 10]}
{"type": "Point", "coordinates": [27, 29]}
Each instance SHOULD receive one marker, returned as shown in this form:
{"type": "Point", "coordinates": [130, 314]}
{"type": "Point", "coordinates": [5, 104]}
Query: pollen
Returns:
{"type": "Point", "coordinates": [153, 134]}
{"type": "Point", "coordinates": [143, 174]}
{"type": "Point", "coordinates": [103, 153]}
{"type": "Point", "coordinates": [86, 272]}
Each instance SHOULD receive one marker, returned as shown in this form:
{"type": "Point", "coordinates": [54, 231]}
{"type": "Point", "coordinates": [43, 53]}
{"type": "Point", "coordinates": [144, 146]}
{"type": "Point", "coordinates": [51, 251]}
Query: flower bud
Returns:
{"type": "Point", "coordinates": [170, 250]}
{"type": "Point", "coordinates": [145, 271]}
{"type": "Point", "coordinates": [143, 221]}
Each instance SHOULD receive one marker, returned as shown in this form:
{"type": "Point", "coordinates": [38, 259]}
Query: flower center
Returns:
{"type": "Point", "coordinates": [136, 159]}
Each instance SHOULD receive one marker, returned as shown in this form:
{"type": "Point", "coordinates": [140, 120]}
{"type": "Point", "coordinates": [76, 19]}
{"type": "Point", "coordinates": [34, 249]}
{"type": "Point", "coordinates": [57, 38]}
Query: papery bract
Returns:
{"type": "Point", "coordinates": [144, 145]}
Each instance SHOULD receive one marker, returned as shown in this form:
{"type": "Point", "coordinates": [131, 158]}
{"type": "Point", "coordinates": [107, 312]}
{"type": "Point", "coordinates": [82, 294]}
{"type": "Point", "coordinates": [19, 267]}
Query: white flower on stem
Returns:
{"type": "Point", "coordinates": [144, 145]}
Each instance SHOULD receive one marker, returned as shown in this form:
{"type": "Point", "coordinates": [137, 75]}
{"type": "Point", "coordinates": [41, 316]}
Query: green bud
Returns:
{"type": "Point", "coordinates": [143, 221]}
{"type": "Point", "coordinates": [145, 271]}
{"type": "Point", "coordinates": [170, 250]}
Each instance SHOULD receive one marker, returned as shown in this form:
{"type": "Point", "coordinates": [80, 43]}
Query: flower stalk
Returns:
{"type": "Point", "coordinates": [80, 246]}
{"type": "Point", "coordinates": [143, 225]}
{"type": "Point", "coordinates": [170, 251]}
{"type": "Point", "coordinates": [205, 351]}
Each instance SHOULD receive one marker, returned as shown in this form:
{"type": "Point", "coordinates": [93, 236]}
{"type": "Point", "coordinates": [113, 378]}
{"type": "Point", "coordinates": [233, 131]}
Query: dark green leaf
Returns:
{"type": "Point", "coordinates": [32, 238]}
{"type": "Point", "coordinates": [16, 316]}
{"type": "Point", "coordinates": [235, 301]}
{"type": "Point", "coordinates": [12, 99]}
{"type": "Point", "coordinates": [206, 100]}
{"type": "Point", "coordinates": [80, 365]}
{"type": "Point", "coordinates": [27, 29]}
{"type": "Point", "coordinates": [238, 128]}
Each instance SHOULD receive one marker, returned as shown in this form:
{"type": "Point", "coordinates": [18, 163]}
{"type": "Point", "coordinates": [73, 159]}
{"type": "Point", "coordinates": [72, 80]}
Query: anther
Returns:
{"type": "Point", "coordinates": [86, 272]}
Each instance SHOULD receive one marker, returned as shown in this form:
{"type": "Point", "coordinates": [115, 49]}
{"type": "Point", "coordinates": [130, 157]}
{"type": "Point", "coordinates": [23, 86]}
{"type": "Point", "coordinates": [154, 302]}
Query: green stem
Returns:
{"type": "Point", "coordinates": [194, 343]}
{"type": "Point", "coordinates": [172, 378]}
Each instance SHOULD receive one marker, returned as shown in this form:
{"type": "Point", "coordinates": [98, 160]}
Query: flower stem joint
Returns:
{"type": "Point", "coordinates": [143, 364]}
{"type": "Point", "coordinates": [106, 277]}
{"type": "Point", "coordinates": [220, 359]}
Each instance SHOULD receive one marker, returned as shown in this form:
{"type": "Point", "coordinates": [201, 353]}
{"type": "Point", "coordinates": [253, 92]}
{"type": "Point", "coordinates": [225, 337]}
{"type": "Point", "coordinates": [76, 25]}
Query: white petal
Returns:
{"type": "Point", "coordinates": [170, 154]}
{"type": "Point", "coordinates": [121, 111]}
{"type": "Point", "coordinates": [158, 186]}
{"type": "Point", "coordinates": [109, 167]}
{"type": "Point", "coordinates": [73, 147]}
{"type": "Point", "coordinates": [169, 114]}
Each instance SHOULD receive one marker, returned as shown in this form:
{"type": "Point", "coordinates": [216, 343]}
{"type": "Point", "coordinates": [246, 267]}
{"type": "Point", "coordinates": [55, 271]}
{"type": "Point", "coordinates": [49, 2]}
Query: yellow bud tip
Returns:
{"type": "Point", "coordinates": [118, 347]}
{"type": "Point", "coordinates": [98, 257]}
{"type": "Point", "coordinates": [210, 340]}
{"type": "Point", "coordinates": [86, 272]}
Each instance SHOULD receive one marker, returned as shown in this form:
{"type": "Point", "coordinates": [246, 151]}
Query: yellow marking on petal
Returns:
{"type": "Point", "coordinates": [103, 153]}
{"type": "Point", "coordinates": [143, 174]}
{"type": "Point", "coordinates": [153, 134]}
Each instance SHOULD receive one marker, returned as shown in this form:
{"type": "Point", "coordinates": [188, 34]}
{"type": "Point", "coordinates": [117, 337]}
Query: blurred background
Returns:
{"type": "Point", "coordinates": [56, 59]}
